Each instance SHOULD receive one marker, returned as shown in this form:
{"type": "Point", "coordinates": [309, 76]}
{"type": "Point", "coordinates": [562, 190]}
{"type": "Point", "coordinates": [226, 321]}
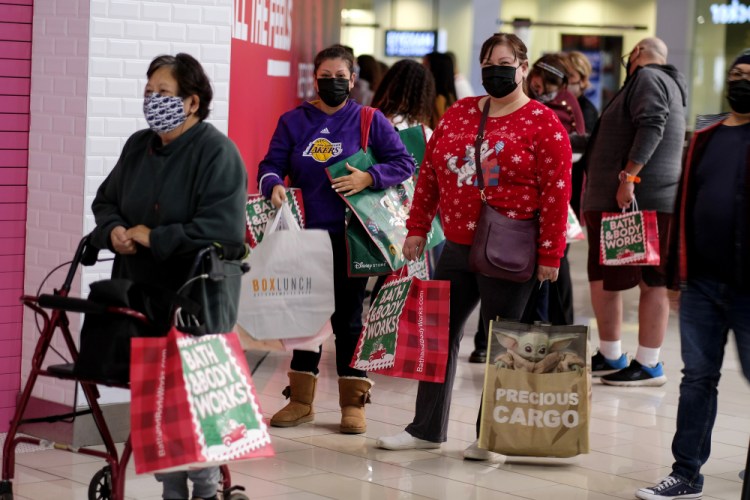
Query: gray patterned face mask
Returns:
{"type": "Point", "coordinates": [163, 113]}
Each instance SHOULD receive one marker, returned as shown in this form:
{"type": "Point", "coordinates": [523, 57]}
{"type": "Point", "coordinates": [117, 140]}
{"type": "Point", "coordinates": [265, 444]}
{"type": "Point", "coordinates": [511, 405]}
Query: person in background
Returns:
{"type": "Point", "coordinates": [307, 140]}
{"type": "Point", "coordinates": [527, 142]}
{"type": "Point", "coordinates": [635, 153]}
{"type": "Point", "coordinates": [579, 70]}
{"type": "Point", "coordinates": [710, 260]}
{"type": "Point", "coordinates": [406, 96]}
{"type": "Point", "coordinates": [441, 67]}
{"type": "Point", "coordinates": [178, 187]}
{"type": "Point", "coordinates": [370, 72]}
{"type": "Point", "coordinates": [462, 84]}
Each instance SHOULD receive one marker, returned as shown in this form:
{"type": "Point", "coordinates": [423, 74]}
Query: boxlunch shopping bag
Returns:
{"type": "Point", "coordinates": [259, 210]}
{"type": "Point", "coordinates": [629, 238]}
{"type": "Point", "coordinates": [193, 403]}
{"type": "Point", "coordinates": [406, 330]}
{"type": "Point", "coordinates": [288, 292]}
{"type": "Point", "coordinates": [536, 391]}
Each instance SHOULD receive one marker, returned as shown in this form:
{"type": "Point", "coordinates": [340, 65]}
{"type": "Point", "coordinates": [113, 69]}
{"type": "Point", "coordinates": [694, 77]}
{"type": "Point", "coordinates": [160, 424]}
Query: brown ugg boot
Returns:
{"type": "Point", "coordinates": [300, 392]}
{"type": "Point", "coordinates": [354, 393]}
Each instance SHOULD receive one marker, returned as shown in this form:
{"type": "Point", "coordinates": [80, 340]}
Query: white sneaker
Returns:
{"type": "Point", "coordinates": [405, 441]}
{"type": "Point", "coordinates": [474, 452]}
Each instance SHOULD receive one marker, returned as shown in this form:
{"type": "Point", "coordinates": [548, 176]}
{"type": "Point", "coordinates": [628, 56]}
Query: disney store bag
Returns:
{"type": "Point", "coordinates": [536, 391]}
{"type": "Point", "coordinates": [376, 219]}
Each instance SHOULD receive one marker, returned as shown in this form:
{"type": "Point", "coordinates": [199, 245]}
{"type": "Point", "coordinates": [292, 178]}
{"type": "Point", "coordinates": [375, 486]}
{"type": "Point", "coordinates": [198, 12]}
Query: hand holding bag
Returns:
{"type": "Point", "coordinates": [629, 238]}
{"type": "Point", "coordinates": [503, 248]}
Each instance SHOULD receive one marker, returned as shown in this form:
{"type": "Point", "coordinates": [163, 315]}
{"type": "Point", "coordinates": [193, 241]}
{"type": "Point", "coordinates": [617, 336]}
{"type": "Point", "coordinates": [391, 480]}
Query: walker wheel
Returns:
{"type": "Point", "coordinates": [100, 487]}
{"type": "Point", "coordinates": [6, 490]}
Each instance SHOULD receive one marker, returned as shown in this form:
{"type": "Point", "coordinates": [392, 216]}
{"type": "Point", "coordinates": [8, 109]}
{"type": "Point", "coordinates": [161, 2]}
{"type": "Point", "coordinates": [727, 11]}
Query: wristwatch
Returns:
{"type": "Point", "coordinates": [625, 176]}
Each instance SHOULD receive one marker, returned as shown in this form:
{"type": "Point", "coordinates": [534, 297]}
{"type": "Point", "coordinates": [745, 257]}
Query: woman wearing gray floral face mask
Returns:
{"type": "Point", "coordinates": [178, 187]}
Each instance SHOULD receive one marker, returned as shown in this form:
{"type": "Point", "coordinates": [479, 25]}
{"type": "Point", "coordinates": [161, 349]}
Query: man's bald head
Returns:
{"type": "Point", "coordinates": [654, 50]}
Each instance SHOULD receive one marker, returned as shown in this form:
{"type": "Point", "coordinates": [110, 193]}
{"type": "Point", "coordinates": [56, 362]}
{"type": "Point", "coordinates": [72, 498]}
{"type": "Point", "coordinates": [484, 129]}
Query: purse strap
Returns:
{"type": "Point", "coordinates": [478, 148]}
{"type": "Point", "coordinates": [365, 119]}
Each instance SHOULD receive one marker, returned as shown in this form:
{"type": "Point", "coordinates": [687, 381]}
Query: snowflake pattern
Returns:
{"type": "Point", "coordinates": [534, 149]}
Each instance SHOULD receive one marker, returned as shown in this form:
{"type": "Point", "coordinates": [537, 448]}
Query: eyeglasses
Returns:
{"type": "Point", "coordinates": [625, 60]}
{"type": "Point", "coordinates": [737, 74]}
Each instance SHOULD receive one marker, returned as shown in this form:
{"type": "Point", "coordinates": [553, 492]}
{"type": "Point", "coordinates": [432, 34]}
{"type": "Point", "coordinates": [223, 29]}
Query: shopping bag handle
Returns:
{"type": "Point", "coordinates": [633, 206]}
{"type": "Point", "coordinates": [285, 213]}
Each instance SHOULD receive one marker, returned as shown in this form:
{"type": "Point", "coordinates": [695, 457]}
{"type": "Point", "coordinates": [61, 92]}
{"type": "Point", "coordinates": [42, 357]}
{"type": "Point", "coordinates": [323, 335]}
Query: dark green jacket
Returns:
{"type": "Point", "coordinates": [191, 194]}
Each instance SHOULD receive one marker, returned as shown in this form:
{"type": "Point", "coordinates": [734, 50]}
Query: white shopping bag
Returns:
{"type": "Point", "coordinates": [288, 292]}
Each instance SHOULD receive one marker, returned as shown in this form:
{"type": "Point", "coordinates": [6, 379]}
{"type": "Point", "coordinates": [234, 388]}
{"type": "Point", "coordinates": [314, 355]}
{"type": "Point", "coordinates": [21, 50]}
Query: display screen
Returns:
{"type": "Point", "coordinates": [400, 43]}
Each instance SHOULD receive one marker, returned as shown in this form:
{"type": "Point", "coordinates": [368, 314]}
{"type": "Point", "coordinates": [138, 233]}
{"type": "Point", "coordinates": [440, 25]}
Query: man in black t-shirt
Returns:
{"type": "Point", "coordinates": [710, 257]}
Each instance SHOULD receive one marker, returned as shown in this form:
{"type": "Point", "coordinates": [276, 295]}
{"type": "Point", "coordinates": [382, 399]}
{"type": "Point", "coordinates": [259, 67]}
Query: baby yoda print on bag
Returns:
{"type": "Point", "coordinates": [536, 390]}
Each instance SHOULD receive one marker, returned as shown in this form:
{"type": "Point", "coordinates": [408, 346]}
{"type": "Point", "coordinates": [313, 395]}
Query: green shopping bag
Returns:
{"type": "Point", "coordinates": [376, 230]}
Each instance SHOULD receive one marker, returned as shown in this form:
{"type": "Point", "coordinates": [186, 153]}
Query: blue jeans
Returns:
{"type": "Point", "coordinates": [708, 310]}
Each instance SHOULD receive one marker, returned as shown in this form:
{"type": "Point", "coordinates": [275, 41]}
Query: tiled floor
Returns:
{"type": "Point", "coordinates": [631, 432]}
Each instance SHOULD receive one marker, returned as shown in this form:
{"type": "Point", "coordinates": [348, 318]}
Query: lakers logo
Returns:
{"type": "Point", "coordinates": [322, 149]}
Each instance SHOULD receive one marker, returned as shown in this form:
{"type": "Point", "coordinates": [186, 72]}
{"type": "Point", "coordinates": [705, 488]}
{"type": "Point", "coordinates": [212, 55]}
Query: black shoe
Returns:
{"type": "Point", "coordinates": [603, 366]}
{"type": "Point", "coordinates": [637, 375]}
{"type": "Point", "coordinates": [478, 356]}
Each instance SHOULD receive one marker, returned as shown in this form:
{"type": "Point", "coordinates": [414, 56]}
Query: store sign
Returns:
{"type": "Point", "coordinates": [274, 43]}
{"type": "Point", "coordinates": [734, 13]}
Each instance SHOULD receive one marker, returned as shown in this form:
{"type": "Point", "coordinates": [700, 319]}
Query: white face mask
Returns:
{"type": "Point", "coordinates": [163, 113]}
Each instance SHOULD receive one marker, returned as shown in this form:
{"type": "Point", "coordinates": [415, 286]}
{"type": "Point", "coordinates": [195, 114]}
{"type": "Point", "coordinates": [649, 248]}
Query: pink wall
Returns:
{"type": "Point", "coordinates": [15, 78]}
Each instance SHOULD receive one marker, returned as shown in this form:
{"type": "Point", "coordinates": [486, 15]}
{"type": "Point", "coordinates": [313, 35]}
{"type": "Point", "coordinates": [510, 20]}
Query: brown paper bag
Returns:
{"type": "Point", "coordinates": [536, 391]}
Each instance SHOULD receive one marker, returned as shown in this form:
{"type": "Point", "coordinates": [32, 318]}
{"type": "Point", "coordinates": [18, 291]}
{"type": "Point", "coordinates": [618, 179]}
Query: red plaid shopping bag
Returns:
{"type": "Point", "coordinates": [629, 238]}
{"type": "Point", "coordinates": [406, 330]}
{"type": "Point", "coordinates": [193, 403]}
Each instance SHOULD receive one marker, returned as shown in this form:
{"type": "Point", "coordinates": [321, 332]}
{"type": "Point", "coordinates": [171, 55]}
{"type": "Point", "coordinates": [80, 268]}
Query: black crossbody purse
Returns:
{"type": "Point", "coordinates": [503, 248]}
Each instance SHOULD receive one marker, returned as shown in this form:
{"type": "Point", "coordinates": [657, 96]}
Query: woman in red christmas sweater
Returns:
{"type": "Point", "coordinates": [526, 163]}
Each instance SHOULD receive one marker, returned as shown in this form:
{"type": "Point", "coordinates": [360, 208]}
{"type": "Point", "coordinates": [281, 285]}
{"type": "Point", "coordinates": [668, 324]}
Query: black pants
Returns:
{"type": "Point", "coordinates": [499, 298]}
{"type": "Point", "coordinates": [346, 320]}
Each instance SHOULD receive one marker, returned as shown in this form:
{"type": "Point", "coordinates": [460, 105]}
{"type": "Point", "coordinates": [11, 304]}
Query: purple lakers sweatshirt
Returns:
{"type": "Point", "coordinates": [307, 141]}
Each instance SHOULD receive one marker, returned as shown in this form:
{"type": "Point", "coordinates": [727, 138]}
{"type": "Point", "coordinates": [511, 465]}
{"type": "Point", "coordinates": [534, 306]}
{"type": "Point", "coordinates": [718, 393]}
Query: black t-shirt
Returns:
{"type": "Point", "coordinates": [716, 192]}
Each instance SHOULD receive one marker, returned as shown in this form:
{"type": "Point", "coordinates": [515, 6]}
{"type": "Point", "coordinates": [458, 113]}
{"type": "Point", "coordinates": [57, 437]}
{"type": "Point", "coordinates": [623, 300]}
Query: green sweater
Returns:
{"type": "Point", "coordinates": [191, 193]}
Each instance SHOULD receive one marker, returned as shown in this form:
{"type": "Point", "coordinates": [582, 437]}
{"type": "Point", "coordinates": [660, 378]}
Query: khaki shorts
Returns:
{"type": "Point", "coordinates": [617, 278]}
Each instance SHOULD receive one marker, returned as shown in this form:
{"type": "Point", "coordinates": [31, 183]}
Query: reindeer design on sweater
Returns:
{"type": "Point", "coordinates": [465, 173]}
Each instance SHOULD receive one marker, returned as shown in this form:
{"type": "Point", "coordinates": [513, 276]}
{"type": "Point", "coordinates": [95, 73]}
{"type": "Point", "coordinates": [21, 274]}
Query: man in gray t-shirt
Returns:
{"type": "Point", "coordinates": [634, 155]}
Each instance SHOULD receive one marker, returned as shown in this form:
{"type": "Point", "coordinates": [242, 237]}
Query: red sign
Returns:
{"type": "Point", "coordinates": [274, 43]}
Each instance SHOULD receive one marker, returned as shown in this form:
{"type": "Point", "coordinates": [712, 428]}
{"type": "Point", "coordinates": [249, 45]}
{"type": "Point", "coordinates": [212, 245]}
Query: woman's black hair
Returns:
{"type": "Point", "coordinates": [407, 89]}
{"type": "Point", "coordinates": [334, 52]}
{"type": "Point", "coordinates": [441, 67]}
{"type": "Point", "coordinates": [191, 79]}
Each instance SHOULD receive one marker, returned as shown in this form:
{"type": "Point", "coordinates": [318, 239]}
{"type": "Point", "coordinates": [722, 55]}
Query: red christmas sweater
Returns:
{"type": "Point", "coordinates": [526, 164]}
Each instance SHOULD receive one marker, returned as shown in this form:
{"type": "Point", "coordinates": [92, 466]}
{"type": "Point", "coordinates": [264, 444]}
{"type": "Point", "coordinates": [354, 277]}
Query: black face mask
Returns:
{"type": "Point", "coordinates": [738, 96]}
{"type": "Point", "coordinates": [333, 91]}
{"type": "Point", "coordinates": [499, 81]}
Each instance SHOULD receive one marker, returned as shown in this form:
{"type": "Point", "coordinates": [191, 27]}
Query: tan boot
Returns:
{"type": "Point", "coordinates": [354, 393]}
{"type": "Point", "coordinates": [300, 392]}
